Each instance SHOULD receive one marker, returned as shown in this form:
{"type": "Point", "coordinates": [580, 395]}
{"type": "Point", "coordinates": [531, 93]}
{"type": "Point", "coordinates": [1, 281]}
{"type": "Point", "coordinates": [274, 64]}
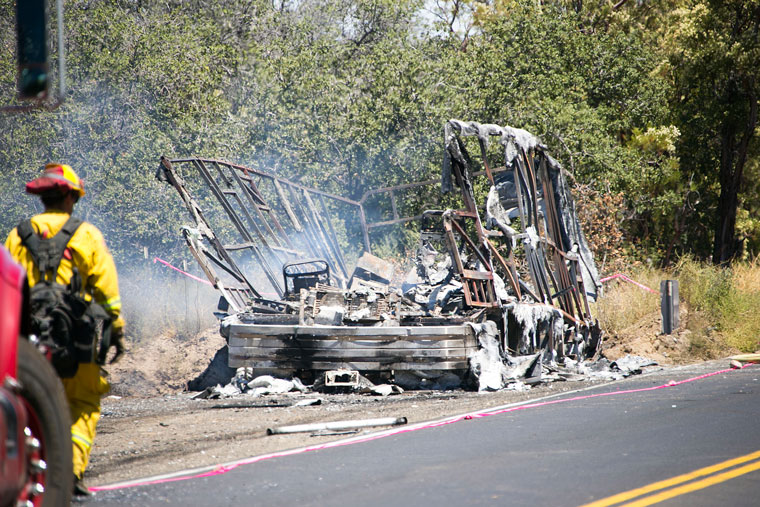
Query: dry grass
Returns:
{"type": "Point", "coordinates": [741, 308]}
{"type": "Point", "coordinates": [728, 297]}
{"type": "Point", "coordinates": [721, 306]}
{"type": "Point", "coordinates": [624, 304]}
{"type": "Point", "coordinates": [747, 276]}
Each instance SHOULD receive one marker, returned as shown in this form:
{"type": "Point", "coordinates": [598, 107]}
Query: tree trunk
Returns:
{"type": "Point", "coordinates": [732, 161]}
{"type": "Point", "coordinates": [725, 228]}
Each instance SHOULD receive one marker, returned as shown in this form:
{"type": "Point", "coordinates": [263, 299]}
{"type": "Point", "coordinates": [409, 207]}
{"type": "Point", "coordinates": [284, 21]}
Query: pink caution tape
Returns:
{"type": "Point", "coordinates": [623, 277]}
{"type": "Point", "coordinates": [156, 259]}
{"type": "Point", "coordinates": [168, 265]}
{"type": "Point", "coordinates": [223, 469]}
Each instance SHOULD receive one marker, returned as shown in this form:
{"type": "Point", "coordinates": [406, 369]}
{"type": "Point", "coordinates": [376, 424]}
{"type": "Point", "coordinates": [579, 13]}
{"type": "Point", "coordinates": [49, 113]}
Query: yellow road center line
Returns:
{"type": "Point", "coordinates": [694, 486]}
{"type": "Point", "coordinates": [673, 481]}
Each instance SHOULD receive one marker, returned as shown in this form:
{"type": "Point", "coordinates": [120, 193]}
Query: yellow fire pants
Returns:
{"type": "Point", "coordinates": [83, 391]}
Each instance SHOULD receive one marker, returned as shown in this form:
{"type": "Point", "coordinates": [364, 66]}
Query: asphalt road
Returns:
{"type": "Point", "coordinates": [583, 449]}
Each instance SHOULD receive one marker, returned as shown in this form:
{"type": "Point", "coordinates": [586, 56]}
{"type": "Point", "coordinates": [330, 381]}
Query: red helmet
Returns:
{"type": "Point", "coordinates": [56, 177]}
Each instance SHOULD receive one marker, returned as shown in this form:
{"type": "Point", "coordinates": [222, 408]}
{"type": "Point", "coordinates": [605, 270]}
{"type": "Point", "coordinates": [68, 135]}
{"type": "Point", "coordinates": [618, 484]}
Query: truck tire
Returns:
{"type": "Point", "coordinates": [49, 423]}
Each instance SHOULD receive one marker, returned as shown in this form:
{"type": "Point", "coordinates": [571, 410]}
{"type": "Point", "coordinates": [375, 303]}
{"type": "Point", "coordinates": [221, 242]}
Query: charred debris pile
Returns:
{"type": "Point", "coordinates": [498, 296]}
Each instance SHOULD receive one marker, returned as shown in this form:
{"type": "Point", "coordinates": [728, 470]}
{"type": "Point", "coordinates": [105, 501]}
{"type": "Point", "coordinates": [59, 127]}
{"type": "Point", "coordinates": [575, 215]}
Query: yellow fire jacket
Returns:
{"type": "Point", "coordinates": [88, 253]}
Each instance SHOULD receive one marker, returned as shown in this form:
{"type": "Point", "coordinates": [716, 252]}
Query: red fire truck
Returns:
{"type": "Point", "coordinates": [35, 432]}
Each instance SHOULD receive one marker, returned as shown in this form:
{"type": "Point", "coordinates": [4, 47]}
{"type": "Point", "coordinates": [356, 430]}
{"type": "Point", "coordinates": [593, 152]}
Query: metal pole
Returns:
{"type": "Point", "coordinates": [61, 52]}
{"type": "Point", "coordinates": [337, 425]}
{"type": "Point", "coordinates": [669, 305]}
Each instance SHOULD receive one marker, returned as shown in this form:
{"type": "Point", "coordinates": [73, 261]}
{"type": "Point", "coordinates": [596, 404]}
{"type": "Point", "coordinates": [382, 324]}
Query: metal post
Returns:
{"type": "Point", "coordinates": [61, 52]}
{"type": "Point", "coordinates": [669, 305]}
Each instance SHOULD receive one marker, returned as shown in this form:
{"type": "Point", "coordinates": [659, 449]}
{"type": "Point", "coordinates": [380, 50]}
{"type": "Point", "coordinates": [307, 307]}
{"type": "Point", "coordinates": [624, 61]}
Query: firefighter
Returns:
{"type": "Point", "coordinates": [60, 188]}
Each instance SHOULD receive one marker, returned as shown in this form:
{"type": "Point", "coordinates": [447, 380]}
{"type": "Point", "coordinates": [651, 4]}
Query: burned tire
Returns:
{"type": "Point", "coordinates": [50, 428]}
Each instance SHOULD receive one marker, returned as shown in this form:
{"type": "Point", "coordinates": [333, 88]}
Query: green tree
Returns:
{"type": "Point", "coordinates": [352, 94]}
{"type": "Point", "coordinates": [586, 94]}
{"type": "Point", "coordinates": [715, 59]}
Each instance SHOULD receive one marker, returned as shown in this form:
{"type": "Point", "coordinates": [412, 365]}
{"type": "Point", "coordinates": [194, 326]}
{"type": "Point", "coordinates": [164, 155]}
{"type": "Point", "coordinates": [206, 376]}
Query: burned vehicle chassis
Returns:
{"type": "Point", "coordinates": [491, 282]}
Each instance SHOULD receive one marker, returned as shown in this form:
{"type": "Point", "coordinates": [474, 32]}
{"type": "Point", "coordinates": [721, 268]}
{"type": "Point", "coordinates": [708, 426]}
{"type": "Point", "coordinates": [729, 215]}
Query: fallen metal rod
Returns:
{"type": "Point", "coordinates": [337, 425]}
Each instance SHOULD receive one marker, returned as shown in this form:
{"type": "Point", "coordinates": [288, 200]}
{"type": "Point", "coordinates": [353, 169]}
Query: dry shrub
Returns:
{"type": "Point", "coordinates": [741, 308]}
{"type": "Point", "coordinates": [703, 285]}
{"type": "Point", "coordinates": [728, 301]}
{"type": "Point", "coordinates": [601, 215]}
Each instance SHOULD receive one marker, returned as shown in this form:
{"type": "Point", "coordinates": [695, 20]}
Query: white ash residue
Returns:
{"type": "Point", "coordinates": [487, 364]}
{"type": "Point", "coordinates": [245, 384]}
{"type": "Point", "coordinates": [531, 317]}
{"type": "Point", "coordinates": [330, 315]}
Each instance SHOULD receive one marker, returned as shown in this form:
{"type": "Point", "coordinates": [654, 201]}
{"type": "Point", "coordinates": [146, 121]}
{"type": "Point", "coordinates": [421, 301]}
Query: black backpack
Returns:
{"type": "Point", "coordinates": [64, 322]}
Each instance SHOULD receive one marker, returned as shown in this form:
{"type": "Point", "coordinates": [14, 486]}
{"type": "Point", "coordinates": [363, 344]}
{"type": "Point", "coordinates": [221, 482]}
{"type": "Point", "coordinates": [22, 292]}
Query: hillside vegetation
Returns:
{"type": "Point", "coordinates": [650, 106]}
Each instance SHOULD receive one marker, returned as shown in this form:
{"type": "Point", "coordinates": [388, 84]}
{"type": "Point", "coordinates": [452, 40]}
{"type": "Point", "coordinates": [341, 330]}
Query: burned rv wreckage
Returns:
{"type": "Point", "coordinates": [498, 294]}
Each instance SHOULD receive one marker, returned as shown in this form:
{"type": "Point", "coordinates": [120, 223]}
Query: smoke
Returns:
{"type": "Point", "coordinates": [156, 303]}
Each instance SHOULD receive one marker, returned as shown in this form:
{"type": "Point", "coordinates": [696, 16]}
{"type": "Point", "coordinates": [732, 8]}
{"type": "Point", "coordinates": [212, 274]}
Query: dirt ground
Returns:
{"type": "Point", "coordinates": [151, 425]}
{"type": "Point", "coordinates": [644, 338]}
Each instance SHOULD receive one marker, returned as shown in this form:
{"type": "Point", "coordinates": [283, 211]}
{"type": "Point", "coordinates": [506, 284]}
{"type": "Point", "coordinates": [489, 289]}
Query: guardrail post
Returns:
{"type": "Point", "coordinates": [669, 305]}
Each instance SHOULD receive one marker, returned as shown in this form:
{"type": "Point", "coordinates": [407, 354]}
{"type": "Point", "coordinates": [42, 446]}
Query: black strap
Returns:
{"type": "Point", "coordinates": [105, 343]}
{"type": "Point", "coordinates": [47, 252]}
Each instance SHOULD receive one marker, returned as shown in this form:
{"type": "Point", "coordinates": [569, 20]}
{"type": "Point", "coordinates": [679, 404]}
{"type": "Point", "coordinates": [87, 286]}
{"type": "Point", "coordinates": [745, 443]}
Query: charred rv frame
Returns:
{"type": "Point", "coordinates": [520, 264]}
